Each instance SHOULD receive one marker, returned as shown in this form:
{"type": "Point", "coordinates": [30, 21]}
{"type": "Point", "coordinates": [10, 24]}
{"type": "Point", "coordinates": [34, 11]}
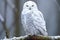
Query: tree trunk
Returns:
{"type": "Point", "coordinates": [17, 33]}
{"type": "Point", "coordinates": [4, 23]}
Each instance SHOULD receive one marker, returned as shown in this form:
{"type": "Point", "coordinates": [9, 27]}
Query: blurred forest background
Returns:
{"type": "Point", "coordinates": [11, 10]}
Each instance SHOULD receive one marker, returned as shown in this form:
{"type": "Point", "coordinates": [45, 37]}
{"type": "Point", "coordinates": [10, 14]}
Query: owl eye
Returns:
{"type": "Point", "coordinates": [26, 5]}
{"type": "Point", "coordinates": [32, 5]}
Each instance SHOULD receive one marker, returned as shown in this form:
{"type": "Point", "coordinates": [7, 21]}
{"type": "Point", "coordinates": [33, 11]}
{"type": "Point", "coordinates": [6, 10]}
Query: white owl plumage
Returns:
{"type": "Point", "coordinates": [32, 19]}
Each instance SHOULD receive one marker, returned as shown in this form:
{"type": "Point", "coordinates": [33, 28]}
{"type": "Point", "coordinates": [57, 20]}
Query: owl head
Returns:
{"type": "Point", "coordinates": [30, 5]}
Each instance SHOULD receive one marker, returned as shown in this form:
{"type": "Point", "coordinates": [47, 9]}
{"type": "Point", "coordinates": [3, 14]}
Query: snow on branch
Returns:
{"type": "Point", "coordinates": [34, 37]}
{"type": "Point", "coordinates": [1, 18]}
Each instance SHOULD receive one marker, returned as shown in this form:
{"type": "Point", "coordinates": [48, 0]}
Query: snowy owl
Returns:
{"type": "Point", "coordinates": [32, 20]}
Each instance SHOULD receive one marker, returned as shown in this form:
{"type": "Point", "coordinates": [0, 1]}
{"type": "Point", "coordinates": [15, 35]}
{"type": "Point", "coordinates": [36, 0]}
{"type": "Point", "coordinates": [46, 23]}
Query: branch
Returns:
{"type": "Point", "coordinates": [34, 37]}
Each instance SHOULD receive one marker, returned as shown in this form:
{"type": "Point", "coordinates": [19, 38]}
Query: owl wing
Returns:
{"type": "Point", "coordinates": [23, 20]}
{"type": "Point", "coordinates": [39, 23]}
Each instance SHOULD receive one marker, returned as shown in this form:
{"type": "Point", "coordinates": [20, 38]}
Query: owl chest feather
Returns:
{"type": "Point", "coordinates": [29, 24]}
{"type": "Point", "coordinates": [29, 19]}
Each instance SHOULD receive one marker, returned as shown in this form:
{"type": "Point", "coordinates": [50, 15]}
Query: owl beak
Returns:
{"type": "Point", "coordinates": [29, 8]}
